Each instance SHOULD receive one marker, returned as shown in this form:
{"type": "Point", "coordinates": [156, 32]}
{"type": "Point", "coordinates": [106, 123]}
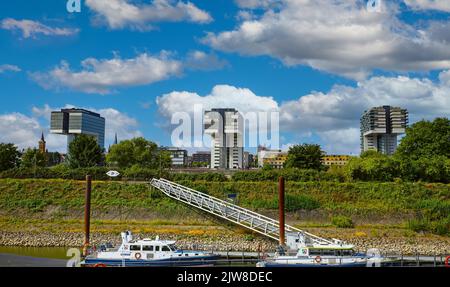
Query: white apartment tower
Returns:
{"type": "Point", "coordinates": [225, 126]}
{"type": "Point", "coordinates": [380, 127]}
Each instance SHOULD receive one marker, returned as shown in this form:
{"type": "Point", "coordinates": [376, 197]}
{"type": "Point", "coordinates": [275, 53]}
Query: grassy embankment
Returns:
{"type": "Point", "coordinates": [57, 205]}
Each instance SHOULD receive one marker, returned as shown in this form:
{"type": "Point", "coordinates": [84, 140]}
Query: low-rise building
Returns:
{"type": "Point", "coordinates": [201, 157]}
{"type": "Point", "coordinates": [264, 153]}
{"type": "Point", "coordinates": [276, 160]}
{"type": "Point", "coordinates": [340, 160]}
{"type": "Point", "coordinates": [179, 157]}
{"type": "Point", "coordinates": [248, 160]}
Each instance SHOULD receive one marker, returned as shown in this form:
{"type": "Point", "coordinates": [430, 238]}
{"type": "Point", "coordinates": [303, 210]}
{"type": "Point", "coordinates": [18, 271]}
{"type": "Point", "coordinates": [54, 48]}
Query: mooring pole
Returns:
{"type": "Point", "coordinates": [281, 210]}
{"type": "Point", "coordinates": [87, 214]}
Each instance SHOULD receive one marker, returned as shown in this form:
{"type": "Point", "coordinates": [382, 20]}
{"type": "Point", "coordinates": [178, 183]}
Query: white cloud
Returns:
{"type": "Point", "coordinates": [19, 129]}
{"type": "Point", "coordinates": [442, 5]}
{"type": "Point", "coordinates": [345, 141]}
{"type": "Point", "coordinates": [190, 106]}
{"type": "Point", "coordinates": [221, 96]}
{"type": "Point", "coordinates": [125, 126]}
{"type": "Point", "coordinates": [101, 76]}
{"type": "Point", "coordinates": [198, 60]}
{"type": "Point", "coordinates": [255, 4]}
{"type": "Point", "coordinates": [118, 14]}
{"type": "Point", "coordinates": [9, 68]}
{"type": "Point", "coordinates": [340, 37]}
{"type": "Point", "coordinates": [25, 132]}
{"type": "Point", "coordinates": [333, 116]}
{"type": "Point", "coordinates": [31, 28]}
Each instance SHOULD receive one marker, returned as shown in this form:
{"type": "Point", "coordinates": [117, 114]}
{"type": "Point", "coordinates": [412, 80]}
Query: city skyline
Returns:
{"type": "Point", "coordinates": [222, 54]}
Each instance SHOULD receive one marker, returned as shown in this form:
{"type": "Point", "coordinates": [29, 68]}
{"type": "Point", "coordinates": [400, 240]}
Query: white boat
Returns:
{"type": "Point", "coordinates": [302, 253]}
{"type": "Point", "coordinates": [147, 252]}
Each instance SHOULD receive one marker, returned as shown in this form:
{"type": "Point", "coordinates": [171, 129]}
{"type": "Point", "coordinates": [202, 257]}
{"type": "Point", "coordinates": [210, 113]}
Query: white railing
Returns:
{"type": "Point", "coordinates": [231, 212]}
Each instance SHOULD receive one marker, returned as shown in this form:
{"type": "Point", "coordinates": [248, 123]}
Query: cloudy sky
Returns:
{"type": "Point", "coordinates": [319, 63]}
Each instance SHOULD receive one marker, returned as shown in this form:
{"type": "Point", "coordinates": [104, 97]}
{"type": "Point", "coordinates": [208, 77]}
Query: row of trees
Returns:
{"type": "Point", "coordinates": [84, 152]}
{"type": "Point", "coordinates": [423, 154]}
{"type": "Point", "coordinates": [11, 157]}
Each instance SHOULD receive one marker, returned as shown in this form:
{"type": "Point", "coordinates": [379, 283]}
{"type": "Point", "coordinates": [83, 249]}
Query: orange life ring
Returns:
{"type": "Point", "coordinates": [447, 261]}
{"type": "Point", "coordinates": [137, 255]}
{"type": "Point", "coordinates": [99, 265]}
{"type": "Point", "coordinates": [318, 259]}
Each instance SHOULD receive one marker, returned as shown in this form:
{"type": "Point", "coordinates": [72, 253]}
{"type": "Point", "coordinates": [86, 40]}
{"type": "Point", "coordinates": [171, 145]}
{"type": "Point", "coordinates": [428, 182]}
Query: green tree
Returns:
{"type": "Point", "coordinates": [54, 158]}
{"type": "Point", "coordinates": [84, 151]}
{"type": "Point", "coordinates": [430, 169]}
{"type": "Point", "coordinates": [305, 156]}
{"type": "Point", "coordinates": [137, 152]}
{"type": "Point", "coordinates": [165, 161]}
{"type": "Point", "coordinates": [426, 139]}
{"type": "Point", "coordinates": [9, 156]}
{"type": "Point", "coordinates": [33, 158]}
{"type": "Point", "coordinates": [373, 165]}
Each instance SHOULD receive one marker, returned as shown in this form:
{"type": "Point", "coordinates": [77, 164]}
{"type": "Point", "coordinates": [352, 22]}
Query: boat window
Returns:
{"type": "Point", "coordinates": [165, 248]}
{"type": "Point", "coordinates": [328, 252]}
{"type": "Point", "coordinates": [173, 247]}
{"type": "Point", "coordinates": [147, 248]}
{"type": "Point", "coordinates": [156, 248]}
{"type": "Point", "coordinates": [348, 252]}
{"type": "Point", "coordinates": [135, 247]}
{"type": "Point", "coordinates": [314, 252]}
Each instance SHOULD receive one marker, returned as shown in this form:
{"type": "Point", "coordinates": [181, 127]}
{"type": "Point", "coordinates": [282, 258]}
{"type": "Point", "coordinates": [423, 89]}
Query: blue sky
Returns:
{"type": "Point", "coordinates": [319, 64]}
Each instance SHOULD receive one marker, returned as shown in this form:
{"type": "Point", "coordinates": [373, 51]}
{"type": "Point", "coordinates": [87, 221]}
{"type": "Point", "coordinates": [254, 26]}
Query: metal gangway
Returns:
{"type": "Point", "coordinates": [231, 212]}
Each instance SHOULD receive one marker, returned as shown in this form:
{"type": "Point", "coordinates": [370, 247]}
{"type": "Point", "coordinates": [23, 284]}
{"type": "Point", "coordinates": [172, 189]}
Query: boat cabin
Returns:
{"type": "Point", "coordinates": [326, 251]}
{"type": "Point", "coordinates": [150, 246]}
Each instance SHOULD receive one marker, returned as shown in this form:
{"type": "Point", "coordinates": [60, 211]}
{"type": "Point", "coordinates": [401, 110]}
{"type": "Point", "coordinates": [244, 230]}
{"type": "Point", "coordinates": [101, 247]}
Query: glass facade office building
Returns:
{"type": "Point", "coordinates": [72, 122]}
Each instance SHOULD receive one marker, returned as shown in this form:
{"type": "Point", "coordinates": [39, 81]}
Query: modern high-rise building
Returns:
{"type": "Point", "coordinates": [380, 127]}
{"type": "Point", "coordinates": [225, 126]}
{"type": "Point", "coordinates": [73, 122]}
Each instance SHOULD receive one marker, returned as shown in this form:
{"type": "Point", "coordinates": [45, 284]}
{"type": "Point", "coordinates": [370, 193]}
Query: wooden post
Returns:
{"type": "Point", "coordinates": [281, 210]}
{"type": "Point", "coordinates": [87, 214]}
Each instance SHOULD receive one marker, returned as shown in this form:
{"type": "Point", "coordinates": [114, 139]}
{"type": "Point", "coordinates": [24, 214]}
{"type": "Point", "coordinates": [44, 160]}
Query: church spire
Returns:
{"type": "Point", "coordinates": [42, 144]}
{"type": "Point", "coordinates": [115, 139]}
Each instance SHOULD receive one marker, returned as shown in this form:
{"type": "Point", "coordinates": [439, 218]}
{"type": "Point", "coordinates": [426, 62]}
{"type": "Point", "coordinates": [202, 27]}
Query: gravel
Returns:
{"type": "Point", "coordinates": [225, 242]}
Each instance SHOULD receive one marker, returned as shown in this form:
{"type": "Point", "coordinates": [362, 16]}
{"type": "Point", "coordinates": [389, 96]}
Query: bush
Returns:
{"type": "Point", "coordinates": [206, 176]}
{"type": "Point", "coordinates": [142, 174]}
{"type": "Point", "coordinates": [439, 227]}
{"type": "Point", "coordinates": [342, 222]}
{"type": "Point", "coordinates": [301, 202]}
{"type": "Point", "coordinates": [292, 203]}
{"type": "Point", "coordinates": [373, 167]}
{"type": "Point", "coordinates": [290, 174]}
{"type": "Point", "coordinates": [136, 173]}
